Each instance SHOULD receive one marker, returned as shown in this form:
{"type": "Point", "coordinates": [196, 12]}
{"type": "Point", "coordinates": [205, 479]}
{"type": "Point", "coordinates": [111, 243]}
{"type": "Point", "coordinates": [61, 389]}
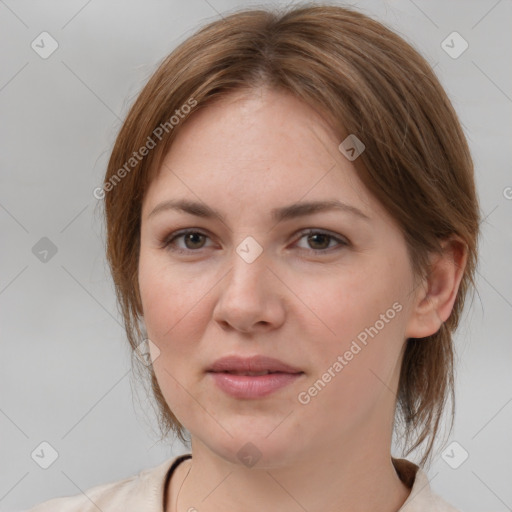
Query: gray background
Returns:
{"type": "Point", "coordinates": [64, 364]}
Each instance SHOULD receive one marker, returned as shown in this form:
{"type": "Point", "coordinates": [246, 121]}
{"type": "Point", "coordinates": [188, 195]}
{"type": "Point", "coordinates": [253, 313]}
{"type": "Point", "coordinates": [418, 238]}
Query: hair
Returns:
{"type": "Point", "coordinates": [365, 80]}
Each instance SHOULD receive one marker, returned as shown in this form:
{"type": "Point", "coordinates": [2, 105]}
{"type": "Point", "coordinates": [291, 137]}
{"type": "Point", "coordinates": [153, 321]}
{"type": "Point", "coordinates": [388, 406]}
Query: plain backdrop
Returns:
{"type": "Point", "coordinates": [64, 361]}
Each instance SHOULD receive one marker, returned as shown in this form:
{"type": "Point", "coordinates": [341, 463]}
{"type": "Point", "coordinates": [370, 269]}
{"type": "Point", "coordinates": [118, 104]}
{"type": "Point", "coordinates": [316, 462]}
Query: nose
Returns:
{"type": "Point", "coordinates": [251, 298]}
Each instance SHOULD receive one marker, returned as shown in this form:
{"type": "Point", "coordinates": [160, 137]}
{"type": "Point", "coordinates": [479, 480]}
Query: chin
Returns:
{"type": "Point", "coordinates": [262, 451]}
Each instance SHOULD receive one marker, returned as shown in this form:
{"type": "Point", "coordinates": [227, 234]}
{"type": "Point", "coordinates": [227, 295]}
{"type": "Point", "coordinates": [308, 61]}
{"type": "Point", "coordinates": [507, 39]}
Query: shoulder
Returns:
{"type": "Point", "coordinates": [422, 498]}
{"type": "Point", "coordinates": [443, 506]}
{"type": "Point", "coordinates": [144, 491]}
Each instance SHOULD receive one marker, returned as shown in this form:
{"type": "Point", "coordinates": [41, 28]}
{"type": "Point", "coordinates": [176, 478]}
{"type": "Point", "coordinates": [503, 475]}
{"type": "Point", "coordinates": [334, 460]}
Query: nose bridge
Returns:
{"type": "Point", "coordinates": [249, 249]}
{"type": "Point", "coordinates": [249, 264]}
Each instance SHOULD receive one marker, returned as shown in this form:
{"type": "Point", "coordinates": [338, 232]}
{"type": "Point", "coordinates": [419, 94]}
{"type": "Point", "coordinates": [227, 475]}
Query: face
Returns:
{"type": "Point", "coordinates": [327, 292]}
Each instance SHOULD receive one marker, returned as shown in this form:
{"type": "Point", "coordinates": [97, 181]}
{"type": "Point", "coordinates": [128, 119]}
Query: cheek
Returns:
{"type": "Point", "coordinates": [338, 306]}
{"type": "Point", "coordinates": [354, 374]}
{"type": "Point", "coordinates": [359, 317]}
{"type": "Point", "coordinates": [171, 299]}
{"type": "Point", "coordinates": [173, 313]}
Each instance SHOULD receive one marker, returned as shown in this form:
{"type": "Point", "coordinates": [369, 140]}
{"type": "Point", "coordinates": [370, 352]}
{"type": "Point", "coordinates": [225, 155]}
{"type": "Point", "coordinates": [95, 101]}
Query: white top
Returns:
{"type": "Point", "coordinates": [146, 492]}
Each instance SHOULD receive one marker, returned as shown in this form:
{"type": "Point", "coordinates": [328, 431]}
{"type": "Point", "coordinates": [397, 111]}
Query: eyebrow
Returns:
{"type": "Point", "coordinates": [291, 211]}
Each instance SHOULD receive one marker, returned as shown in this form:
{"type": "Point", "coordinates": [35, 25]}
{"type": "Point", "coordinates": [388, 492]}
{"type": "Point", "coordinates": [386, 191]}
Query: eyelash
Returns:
{"type": "Point", "coordinates": [167, 242]}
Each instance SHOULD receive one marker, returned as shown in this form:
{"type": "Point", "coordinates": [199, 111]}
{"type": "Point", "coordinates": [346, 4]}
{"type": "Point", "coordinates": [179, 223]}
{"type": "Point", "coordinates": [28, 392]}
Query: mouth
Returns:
{"type": "Point", "coordinates": [252, 378]}
{"type": "Point", "coordinates": [253, 366]}
{"type": "Point", "coordinates": [253, 374]}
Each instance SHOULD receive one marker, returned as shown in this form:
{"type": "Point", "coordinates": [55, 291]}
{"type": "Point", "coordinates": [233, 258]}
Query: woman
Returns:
{"type": "Point", "coordinates": [290, 363]}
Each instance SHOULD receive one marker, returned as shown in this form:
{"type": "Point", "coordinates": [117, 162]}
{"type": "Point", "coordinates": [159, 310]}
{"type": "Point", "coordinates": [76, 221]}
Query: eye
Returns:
{"type": "Point", "coordinates": [192, 239]}
{"type": "Point", "coordinates": [321, 240]}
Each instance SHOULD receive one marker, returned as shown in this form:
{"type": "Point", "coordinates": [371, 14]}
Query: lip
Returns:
{"type": "Point", "coordinates": [252, 386]}
{"type": "Point", "coordinates": [251, 364]}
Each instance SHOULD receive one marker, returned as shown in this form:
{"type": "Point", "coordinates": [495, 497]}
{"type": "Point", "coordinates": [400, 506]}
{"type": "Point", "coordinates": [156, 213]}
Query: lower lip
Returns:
{"type": "Point", "coordinates": [252, 386]}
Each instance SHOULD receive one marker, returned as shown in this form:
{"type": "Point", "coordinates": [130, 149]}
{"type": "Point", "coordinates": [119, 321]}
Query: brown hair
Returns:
{"type": "Point", "coordinates": [367, 81]}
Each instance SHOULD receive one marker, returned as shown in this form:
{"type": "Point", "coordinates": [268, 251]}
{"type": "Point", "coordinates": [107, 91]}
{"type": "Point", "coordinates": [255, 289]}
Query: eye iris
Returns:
{"type": "Point", "coordinates": [315, 235]}
{"type": "Point", "coordinates": [189, 236]}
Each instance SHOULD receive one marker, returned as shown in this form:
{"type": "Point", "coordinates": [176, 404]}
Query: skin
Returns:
{"type": "Point", "coordinates": [249, 153]}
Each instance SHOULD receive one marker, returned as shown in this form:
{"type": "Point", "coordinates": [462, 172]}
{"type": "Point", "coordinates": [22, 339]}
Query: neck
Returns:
{"type": "Point", "coordinates": [325, 481]}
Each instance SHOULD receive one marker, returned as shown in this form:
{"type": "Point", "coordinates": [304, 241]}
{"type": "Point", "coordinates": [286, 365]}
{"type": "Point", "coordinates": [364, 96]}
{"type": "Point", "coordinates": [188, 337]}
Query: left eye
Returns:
{"type": "Point", "coordinates": [319, 238]}
{"type": "Point", "coordinates": [193, 238]}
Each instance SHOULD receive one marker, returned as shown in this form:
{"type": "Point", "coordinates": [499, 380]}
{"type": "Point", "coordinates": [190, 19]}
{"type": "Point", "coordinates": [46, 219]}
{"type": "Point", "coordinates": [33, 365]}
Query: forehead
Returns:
{"type": "Point", "coordinates": [257, 147]}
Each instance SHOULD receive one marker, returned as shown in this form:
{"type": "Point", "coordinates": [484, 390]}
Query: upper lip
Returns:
{"type": "Point", "coordinates": [251, 364]}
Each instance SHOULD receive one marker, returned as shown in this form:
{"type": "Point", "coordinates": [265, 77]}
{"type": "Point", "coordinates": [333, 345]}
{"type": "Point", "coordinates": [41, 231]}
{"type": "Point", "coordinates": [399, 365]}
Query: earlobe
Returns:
{"type": "Point", "coordinates": [436, 296]}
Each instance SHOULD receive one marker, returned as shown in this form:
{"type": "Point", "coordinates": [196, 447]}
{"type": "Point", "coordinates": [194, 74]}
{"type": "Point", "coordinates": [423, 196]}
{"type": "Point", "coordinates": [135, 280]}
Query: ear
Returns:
{"type": "Point", "coordinates": [435, 296]}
